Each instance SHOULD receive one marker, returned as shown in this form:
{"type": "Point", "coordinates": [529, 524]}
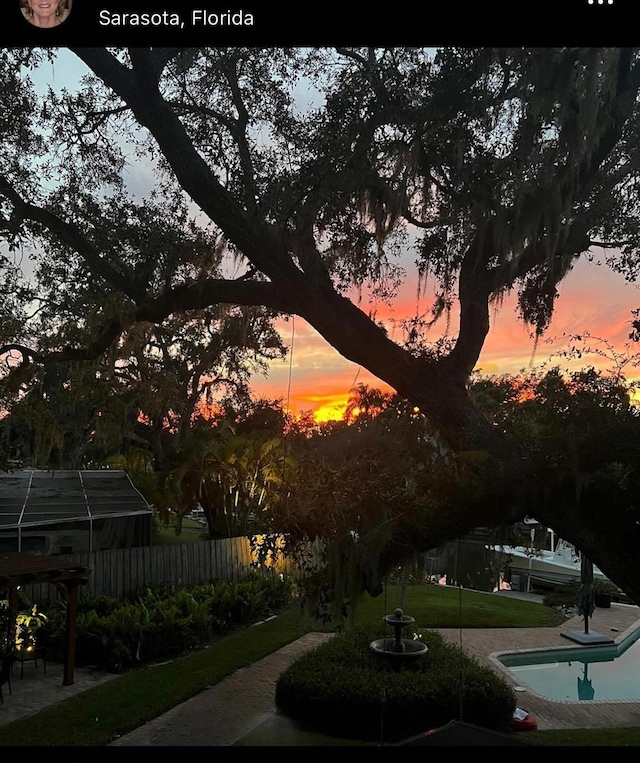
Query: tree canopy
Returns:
{"type": "Point", "coordinates": [281, 179]}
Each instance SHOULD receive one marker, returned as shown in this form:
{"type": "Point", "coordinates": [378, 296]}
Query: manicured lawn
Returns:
{"type": "Point", "coordinates": [624, 737]}
{"type": "Point", "coordinates": [436, 606]}
{"type": "Point", "coordinates": [191, 532]}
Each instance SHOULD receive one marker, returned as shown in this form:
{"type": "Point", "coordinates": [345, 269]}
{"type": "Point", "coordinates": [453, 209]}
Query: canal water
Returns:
{"type": "Point", "coordinates": [466, 562]}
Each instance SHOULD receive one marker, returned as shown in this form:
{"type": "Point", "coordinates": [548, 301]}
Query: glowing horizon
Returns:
{"type": "Point", "coordinates": [592, 300]}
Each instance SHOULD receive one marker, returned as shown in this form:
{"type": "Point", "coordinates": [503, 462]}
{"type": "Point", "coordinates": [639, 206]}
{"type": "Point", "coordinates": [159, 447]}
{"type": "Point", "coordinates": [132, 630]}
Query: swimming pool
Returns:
{"type": "Point", "coordinates": [610, 672]}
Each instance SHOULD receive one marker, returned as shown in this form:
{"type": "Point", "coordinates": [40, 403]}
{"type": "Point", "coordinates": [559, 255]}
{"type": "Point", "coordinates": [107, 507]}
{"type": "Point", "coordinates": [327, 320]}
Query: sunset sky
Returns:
{"type": "Point", "coordinates": [592, 299]}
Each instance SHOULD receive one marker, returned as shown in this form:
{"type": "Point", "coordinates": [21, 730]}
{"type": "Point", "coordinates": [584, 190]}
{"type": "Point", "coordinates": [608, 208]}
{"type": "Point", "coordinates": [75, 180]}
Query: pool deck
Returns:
{"type": "Point", "coordinates": [487, 643]}
{"type": "Point", "coordinates": [230, 710]}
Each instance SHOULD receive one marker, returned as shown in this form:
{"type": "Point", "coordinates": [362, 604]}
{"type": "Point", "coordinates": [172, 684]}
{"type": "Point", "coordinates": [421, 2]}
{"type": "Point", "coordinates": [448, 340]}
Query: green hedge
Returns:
{"type": "Point", "coordinates": [165, 621]}
{"type": "Point", "coordinates": [344, 689]}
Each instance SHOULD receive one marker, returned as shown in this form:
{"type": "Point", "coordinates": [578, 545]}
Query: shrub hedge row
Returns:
{"type": "Point", "coordinates": [165, 621]}
{"type": "Point", "coordinates": [344, 689]}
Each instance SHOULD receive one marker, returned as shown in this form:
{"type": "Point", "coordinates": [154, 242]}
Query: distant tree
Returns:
{"type": "Point", "coordinates": [233, 469]}
{"type": "Point", "coordinates": [366, 401]}
{"type": "Point", "coordinates": [154, 379]}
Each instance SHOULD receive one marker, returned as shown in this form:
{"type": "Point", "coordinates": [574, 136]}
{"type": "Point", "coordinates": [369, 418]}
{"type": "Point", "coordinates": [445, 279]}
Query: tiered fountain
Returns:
{"type": "Point", "coordinates": [398, 648]}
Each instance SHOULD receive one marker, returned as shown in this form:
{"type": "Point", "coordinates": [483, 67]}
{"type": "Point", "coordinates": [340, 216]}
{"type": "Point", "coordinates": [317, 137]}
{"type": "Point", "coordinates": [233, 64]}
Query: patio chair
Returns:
{"type": "Point", "coordinates": [5, 673]}
{"type": "Point", "coordinates": [33, 653]}
{"type": "Point", "coordinates": [29, 655]}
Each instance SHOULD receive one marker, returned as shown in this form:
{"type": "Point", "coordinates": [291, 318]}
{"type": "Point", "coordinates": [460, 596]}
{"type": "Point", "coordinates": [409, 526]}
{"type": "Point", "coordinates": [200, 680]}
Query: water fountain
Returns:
{"type": "Point", "coordinates": [398, 648]}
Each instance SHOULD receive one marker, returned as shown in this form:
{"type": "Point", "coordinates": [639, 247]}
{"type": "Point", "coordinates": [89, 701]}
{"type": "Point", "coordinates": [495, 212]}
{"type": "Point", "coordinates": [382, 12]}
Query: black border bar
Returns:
{"type": "Point", "coordinates": [446, 22]}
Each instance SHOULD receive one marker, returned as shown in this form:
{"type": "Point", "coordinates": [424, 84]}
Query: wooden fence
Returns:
{"type": "Point", "coordinates": [125, 572]}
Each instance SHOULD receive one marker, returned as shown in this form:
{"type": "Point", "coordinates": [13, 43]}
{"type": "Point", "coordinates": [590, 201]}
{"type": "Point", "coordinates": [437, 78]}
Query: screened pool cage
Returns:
{"type": "Point", "coordinates": [69, 512]}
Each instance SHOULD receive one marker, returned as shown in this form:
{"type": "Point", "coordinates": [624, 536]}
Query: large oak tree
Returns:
{"type": "Point", "coordinates": [504, 165]}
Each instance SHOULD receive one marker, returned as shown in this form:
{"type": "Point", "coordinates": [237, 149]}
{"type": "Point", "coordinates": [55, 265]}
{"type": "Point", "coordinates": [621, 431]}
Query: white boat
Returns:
{"type": "Point", "coordinates": [198, 515]}
{"type": "Point", "coordinates": [558, 563]}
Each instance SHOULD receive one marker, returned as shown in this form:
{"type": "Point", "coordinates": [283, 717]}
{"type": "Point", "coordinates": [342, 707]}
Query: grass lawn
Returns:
{"type": "Point", "coordinates": [191, 532]}
{"type": "Point", "coordinates": [434, 606]}
{"type": "Point", "coordinates": [128, 701]}
{"type": "Point", "coordinates": [625, 737]}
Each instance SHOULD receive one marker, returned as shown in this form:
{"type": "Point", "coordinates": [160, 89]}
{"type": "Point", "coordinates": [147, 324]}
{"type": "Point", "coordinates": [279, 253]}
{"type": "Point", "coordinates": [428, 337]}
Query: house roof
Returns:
{"type": "Point", "coordinates": [460, 734]}
{"type": "Point", "coordinates": [31, 498]}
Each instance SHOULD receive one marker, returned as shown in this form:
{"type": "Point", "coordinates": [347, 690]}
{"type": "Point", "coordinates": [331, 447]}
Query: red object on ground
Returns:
{"type": "Point", "coordinates": [524, 721]}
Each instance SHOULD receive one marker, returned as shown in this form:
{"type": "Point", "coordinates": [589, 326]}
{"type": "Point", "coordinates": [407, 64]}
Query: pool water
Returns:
{"type": "Point", "coordinates": [583, 673]}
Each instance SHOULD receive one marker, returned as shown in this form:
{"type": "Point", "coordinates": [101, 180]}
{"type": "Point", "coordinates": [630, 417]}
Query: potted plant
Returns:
{"type": "Point", "coordinates": [27, 625]}
{"type": "Point", "coordinates": [602, 592]}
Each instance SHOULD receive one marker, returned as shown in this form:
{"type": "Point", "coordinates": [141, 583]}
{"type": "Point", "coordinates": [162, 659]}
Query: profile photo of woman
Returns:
{"type": "Point", "coordinates": [46, 13]}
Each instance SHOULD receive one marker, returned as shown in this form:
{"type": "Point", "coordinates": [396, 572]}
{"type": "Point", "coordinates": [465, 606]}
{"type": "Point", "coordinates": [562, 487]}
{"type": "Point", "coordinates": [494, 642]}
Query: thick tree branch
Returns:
{"type": "Point", "coordinates": [181, 299]}
{"type": "Point", "coordinates": [352, 333]}
{"type": "Point", "coordinates": [252, 236]}
{"type": "Point", "coordinates": [239, 132]}
{"type": "Point", "coordinates": [574, 241]}
{"type": "Point", "coordinates": [208, 292]}
{"type": "Point", "coordinates": [27, 352]}
{"type": "Point", "coordinates": [609, 244]}
{"type": "Point", "coordinates": [474, 291]}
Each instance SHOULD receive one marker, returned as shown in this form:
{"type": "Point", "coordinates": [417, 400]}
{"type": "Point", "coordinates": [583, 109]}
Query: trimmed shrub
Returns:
{"type": "Point", "coordinates": [173, 626]}
{"type": "Point", "coordinates": [563, 597]}
{"type": "Point", "coordinates": [344, 689]}
{"type": "Point", "coordinates": [165, 621]}
{"type": "Point", "coordinates": [101, 604]}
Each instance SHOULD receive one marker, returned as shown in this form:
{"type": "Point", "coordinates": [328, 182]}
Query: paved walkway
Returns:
{"type": "Point", "coordinates": [225, 713]}
{"type": "Point", "coordinates": [228, 711]}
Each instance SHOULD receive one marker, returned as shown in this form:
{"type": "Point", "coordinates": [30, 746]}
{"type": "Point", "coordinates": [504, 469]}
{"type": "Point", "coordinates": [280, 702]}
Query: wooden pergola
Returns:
{"type": "Point", "coordinates": [18, 569]}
